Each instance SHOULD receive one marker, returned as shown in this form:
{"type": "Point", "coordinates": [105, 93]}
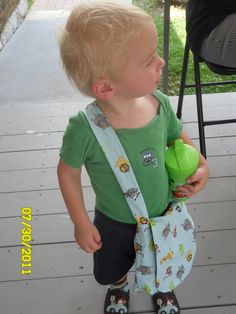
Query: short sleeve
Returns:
{"type": "Point", "coordinates": [173, 124]}
{"type": "Point", "coordinates": [72, 151]}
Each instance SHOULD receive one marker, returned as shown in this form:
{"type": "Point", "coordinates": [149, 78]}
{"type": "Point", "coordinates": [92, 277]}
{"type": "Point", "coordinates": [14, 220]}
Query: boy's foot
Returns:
{"type": "Point", "coordinates": [166, 303]}
{"type": "Point", "coordinates": [117, 300]}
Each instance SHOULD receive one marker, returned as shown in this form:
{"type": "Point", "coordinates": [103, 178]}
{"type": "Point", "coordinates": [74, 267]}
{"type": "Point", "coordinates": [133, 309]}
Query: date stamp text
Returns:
{"type": "Point", "coordinates": [26, 237]}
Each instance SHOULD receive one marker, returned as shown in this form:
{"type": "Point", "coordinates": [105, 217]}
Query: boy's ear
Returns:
{"type": "Point", "coordinates": [103, 89]}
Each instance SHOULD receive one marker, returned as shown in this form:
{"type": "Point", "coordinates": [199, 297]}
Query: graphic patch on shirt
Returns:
{"type": "Point", "coordinates": [149, 158]}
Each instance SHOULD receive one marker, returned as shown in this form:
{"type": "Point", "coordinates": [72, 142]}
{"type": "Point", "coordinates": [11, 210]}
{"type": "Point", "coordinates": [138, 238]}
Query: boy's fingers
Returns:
{"type": "Point", "coordinates": [193, 178]}
{"type": "Point", "coordinates": [97, 237]}
{"type": "Point", "coordinates": [186, 188]}
{"type": "Point", "coordinates": [92, 247]}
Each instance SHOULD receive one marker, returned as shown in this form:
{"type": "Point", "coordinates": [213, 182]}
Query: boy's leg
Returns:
{"type": "Point", "coordinates": [120, 283]}
{"type": "Point", "coordinates": [113, 261]}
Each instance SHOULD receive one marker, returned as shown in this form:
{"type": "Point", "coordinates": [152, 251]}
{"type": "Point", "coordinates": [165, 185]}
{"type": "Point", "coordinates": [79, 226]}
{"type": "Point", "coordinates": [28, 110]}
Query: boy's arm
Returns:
{"type": "Point", "coordinates": [86, 234]}
{"type": "Point", "coordinates": [197, 181]}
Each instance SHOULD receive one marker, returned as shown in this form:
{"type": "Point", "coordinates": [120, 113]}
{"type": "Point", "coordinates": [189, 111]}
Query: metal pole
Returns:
{"type": "Point", "coordinates": [166, 44]}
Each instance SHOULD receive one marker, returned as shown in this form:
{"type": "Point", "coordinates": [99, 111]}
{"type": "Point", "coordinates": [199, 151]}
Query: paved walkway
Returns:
{"type": "Point", "coordinates": [54, 4]}
{"type": "Point", "coordinates": [31, 70]}
{"type": "Point", "coordinates": [59, 4]}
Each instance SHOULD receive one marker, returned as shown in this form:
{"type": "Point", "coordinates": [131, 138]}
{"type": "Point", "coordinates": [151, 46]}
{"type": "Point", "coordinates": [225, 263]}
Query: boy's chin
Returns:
{"type": "Point", "coordinates": [155, 88]}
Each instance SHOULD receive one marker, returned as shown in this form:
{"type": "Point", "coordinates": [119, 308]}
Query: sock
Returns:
{"type": "Point", "coordinates": [123, 285]}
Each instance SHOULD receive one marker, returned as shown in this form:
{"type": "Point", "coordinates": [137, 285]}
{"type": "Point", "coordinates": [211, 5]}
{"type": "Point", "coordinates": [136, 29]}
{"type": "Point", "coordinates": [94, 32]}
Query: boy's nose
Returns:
{"type": "Point", "coordinates": [162, 63]}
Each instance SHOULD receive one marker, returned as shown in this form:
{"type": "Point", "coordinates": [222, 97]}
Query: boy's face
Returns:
{"type": "Point", "coordinates": [142, 74]}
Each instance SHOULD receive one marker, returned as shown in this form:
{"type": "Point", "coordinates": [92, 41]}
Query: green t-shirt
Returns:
{"type": "Point", "coordinates": [145, 148]}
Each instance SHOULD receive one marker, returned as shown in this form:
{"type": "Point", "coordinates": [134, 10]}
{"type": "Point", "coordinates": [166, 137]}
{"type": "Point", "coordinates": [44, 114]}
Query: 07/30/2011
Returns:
{"type": "Point", "coordinates": [26, 237]}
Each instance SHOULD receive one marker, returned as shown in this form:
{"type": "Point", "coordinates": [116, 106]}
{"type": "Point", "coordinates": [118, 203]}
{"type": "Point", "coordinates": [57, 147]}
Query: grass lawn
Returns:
{"type": "Point", "coordinates": [177, 42]}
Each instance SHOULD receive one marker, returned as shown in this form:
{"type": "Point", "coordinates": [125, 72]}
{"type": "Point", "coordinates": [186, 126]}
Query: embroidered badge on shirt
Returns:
{"type": "Point", "coordinates": [149, 158]}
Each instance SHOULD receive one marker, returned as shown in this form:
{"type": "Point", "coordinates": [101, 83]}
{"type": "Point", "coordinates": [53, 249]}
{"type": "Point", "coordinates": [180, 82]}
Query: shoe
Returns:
{"type": "Point", "coordinates": [166, 303]}
{"type": "Point", "coordinates": [117, 301]}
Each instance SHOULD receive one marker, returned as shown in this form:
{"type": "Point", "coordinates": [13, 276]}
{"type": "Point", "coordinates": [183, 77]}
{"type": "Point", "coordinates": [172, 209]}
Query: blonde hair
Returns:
{"type": "Point", "coordinates": [93, 44]}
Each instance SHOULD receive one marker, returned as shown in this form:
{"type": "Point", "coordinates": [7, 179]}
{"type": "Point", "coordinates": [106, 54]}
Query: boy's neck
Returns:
{"type": "Point", "coordinates": [117, 107]}
{"type": "Point", "coordinates": [132, 113]}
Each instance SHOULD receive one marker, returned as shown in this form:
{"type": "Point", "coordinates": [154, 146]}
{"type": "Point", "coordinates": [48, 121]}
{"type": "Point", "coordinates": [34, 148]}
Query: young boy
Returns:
{"type": "Point", "coordinates": [109, 52]}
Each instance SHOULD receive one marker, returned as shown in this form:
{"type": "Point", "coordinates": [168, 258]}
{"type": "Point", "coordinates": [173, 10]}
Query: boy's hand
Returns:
{"type": "Point", "coordinates": [195, 183]}
{"type": "Point", "coordinates": [198, 180]}
{"type": "Point", "coordinates": [88, 237]}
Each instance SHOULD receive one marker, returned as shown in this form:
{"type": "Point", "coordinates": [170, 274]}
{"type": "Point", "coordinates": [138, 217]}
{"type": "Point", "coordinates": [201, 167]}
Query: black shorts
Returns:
{"type": "Point", "coordinates": [117, 254]}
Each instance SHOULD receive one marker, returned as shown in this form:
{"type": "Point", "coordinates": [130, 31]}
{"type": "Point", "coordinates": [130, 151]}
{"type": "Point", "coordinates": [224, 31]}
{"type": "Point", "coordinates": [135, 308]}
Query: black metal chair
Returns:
{"type": "Point", "coordinates": [214, 68]}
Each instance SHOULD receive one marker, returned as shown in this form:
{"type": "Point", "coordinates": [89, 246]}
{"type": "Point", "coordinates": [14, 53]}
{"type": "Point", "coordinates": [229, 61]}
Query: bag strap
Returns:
{"type": "Point", "coordinates": [117, 159]}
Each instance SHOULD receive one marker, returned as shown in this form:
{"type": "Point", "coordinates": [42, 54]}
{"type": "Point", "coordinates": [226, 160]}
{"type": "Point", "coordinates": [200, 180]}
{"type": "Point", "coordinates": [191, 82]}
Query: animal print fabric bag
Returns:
{"type": "Point", "coordinates": [165, 246]}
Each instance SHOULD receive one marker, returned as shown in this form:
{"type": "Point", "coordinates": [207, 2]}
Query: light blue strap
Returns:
{"type": "Point", "coordinates": [117, 159]}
